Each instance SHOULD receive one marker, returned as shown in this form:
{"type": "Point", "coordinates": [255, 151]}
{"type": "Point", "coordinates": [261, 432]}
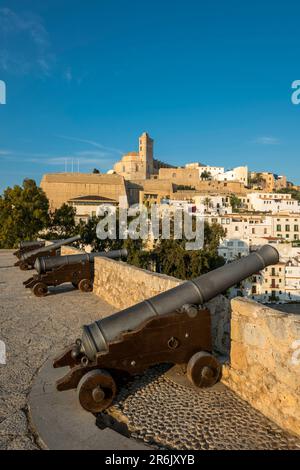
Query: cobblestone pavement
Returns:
{"type": "Point", "coordinates": [160, 411]}
{"type": "Point", "coordinates": [32, 329]}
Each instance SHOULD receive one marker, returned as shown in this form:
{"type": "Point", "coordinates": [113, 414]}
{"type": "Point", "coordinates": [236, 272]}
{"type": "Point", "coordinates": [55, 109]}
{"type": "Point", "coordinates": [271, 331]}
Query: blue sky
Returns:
{"type": "Point", "coordinates": [210, 82]}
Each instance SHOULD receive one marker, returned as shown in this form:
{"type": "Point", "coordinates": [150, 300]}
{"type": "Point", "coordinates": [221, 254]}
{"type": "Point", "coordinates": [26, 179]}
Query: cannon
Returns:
{"type": "Point", "coordinates": [171, 327]}
{"type": "Point", "coordinates": [28, 259]}
{"type": "Point", "coordinates": [26, 246]}
{"type": "Point", "coordinates": [77, 269]}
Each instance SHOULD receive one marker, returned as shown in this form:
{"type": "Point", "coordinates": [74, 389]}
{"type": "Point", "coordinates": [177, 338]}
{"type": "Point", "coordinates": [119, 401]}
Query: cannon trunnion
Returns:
{"type": "Point", "coordinates": [76, 269]}
{"type": "Point", "coordinates": [170, 327]}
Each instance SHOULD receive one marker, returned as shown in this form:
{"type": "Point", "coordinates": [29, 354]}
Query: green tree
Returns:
{"type": "Point", "coordinates": [235, 202]}
{"type": "Point", "coordinates": [185, 187]}
{"type": "Point", "coordinates": [95, 170]}
{"type": "Point", "coordinates": [23, 213]}
{"type": "Point", "coordinates": [62, 222]}
{"type": "Point", "coordinates": [206, 175]}
{"type": "Point", "coordinates": [137, 256]}
{"type": "Point", "coordinates": [174, 260]}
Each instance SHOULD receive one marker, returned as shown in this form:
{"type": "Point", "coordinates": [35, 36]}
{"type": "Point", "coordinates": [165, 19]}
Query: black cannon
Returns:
{"type": "Point", "coordinates": [26, 246]}
{"type": "Point", "coordinates": [28, 259]}
{"type": "Point", "coordinates": [77, 269]}
{"type": "Point", "coordinates": [171, 327]}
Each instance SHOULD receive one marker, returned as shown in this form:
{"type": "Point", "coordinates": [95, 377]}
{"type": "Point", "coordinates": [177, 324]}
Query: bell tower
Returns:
{"type": "Point", "coordinates": [146, 153]}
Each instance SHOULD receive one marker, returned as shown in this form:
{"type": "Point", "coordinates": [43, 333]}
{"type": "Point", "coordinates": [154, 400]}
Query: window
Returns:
{"type": "Point", "coordinates": [287, 228]}
{"type": "Point", "coordinates": [296, 228]}
{"type": "Point", "coordinates": [278, 228]}
{"type": "Point", "coordinates": [253, 230]}
{"type": "Point", "coordinates": [236, 229]}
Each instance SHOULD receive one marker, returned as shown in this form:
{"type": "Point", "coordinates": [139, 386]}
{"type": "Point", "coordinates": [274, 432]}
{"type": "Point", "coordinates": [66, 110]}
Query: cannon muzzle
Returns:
{"type": "Point", "coordinates": [51, 247]}
{"type": "Point", "coordinates": [98, 335]}
{"type": "Point", "coordinates": [43, 265]}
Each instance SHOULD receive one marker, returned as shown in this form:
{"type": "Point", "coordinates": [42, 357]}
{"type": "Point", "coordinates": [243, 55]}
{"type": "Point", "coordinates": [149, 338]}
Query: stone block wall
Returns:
{"type": "Point", "coordinates": [264, 364]}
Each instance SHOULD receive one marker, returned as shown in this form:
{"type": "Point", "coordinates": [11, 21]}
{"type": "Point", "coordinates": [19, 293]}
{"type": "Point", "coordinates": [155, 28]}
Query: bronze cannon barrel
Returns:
{"type": "Point", "coordinates": [54, 246]}
{"type": "Point", "coordinates": [99, 334]}
{"type": "Point", "coordinates": [43, 265]}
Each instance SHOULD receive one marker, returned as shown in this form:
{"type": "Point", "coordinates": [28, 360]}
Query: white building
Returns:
{"type": "Point", "coordinates": [212, 170]}
{"type": "Point", "coordinates": [233, 249]}
{"type": "Point", "coordinates": [218, 173]}
{"type": "Point", "coordinates": [292, 279]}
{"type": "Point", "coordinates": [86, 206]}
{"type": "Point", "coordinates": [272, 202]}
{"type": "Point", "coordinates": [243, 226]}
{"type": "Point", "coordinates": [213, 204]}
{"type": "Point", "coordinates": [239, 173]}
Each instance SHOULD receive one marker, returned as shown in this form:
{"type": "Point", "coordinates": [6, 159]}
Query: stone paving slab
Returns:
{"type": "Point", "coordinates": [33, 329]}
{"type": "Point", "coordinates": [62, 424]}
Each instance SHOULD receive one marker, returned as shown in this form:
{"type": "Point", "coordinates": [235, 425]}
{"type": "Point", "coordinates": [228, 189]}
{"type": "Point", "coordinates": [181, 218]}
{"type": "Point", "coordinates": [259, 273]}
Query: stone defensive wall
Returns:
{"type": "Point", "coordinates": [260, 345]}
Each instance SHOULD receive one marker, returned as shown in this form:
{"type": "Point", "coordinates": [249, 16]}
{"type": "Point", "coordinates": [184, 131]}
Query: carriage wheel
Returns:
{"type": "Point", "coordinates": [203, 369]}
{"type": "Point", "coordinates": [23, 266]}
{"type": "Point", "coordinates": [40, 289]}
{"type": "Point", "coordinates": [85, 285]}
{"type": "Point", "coordinates": [96, 390]}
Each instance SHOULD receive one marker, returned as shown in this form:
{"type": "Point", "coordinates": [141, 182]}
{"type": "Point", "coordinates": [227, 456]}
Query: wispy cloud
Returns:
{"type": "Point", "coordinates": [4, 152]}
{"type": "Point", "coordinates": [93, 143]}
{"type": "Point", "coordinates": [267, 140]}
{"type": "Point", "coordinates": [83, 158]}
{"type": "Point", "coordinates": [25, 44]}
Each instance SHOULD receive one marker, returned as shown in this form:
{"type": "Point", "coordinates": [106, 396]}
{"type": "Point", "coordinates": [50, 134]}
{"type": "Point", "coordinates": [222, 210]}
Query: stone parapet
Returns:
{"type": "Point", "coordinates": [264, 364]}
{"type": "Point", "coordinates": [70, 250]}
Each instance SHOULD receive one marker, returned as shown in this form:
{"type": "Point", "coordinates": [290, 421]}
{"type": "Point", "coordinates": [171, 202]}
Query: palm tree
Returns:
{"type": "Point", "coordinates": [205, 175]}
{"type": "Point", "coordinates": [207, 203]}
